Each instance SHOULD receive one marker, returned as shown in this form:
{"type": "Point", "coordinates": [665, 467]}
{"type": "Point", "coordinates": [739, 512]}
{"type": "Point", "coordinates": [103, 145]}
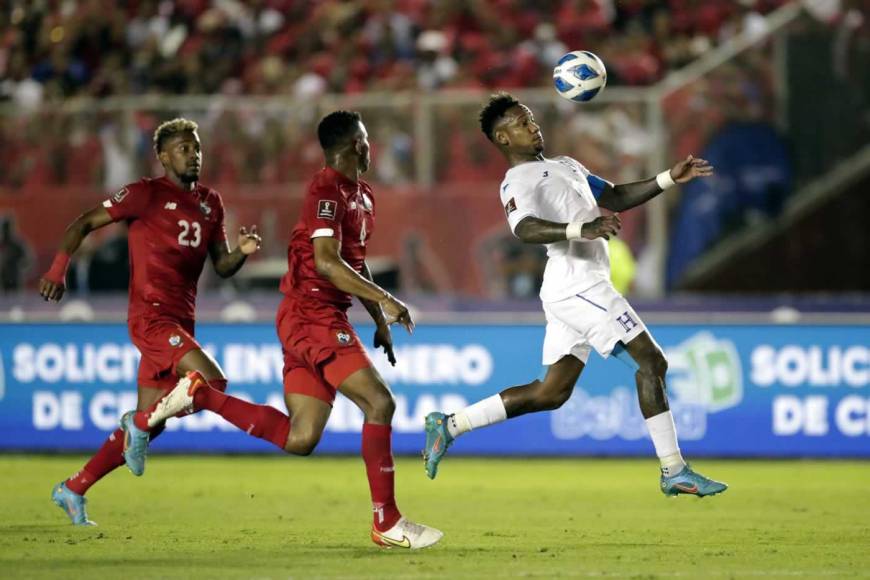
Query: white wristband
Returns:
{"type": "Point", "coordinates": [664, 179]}
{"type": "Point", "coordinates": [574, 231]}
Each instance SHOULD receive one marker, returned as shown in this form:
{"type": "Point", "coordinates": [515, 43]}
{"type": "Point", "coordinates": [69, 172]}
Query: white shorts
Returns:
{"type": "Point", "coordinates": [598, 318]}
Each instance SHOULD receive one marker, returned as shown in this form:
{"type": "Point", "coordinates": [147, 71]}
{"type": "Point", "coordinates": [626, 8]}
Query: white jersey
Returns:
{"type": "Point", "coordinates": [558, 190]}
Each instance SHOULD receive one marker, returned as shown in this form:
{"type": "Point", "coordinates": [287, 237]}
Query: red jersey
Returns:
{"type": "Point", "coordinates": [334, 206]}
{"type": "Point", "coordinates": [171, 230]}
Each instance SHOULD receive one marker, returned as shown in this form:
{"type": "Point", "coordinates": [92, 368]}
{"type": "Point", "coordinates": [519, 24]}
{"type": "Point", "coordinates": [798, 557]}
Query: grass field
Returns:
{"type": "Point", "coordinates": [277, 517]}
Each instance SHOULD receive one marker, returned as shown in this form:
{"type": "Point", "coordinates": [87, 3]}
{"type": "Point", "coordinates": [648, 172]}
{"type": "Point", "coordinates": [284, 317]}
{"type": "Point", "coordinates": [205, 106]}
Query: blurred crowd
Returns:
{"type": "Point", "coordinates": [53, 49]}
{"type": "Point", "coordinates": [56, 50]}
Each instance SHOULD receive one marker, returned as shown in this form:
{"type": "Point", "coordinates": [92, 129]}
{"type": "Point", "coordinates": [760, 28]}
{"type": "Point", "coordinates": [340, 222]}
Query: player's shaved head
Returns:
{"type": "Point", "coordinates": [493, 111]}
{"type": "Point", "coordinates": [338, 128]}
{"type": "Point", "coordinates": [170, 129]}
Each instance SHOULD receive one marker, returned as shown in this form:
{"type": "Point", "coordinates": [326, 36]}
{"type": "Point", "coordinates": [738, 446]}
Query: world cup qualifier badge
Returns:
{"type": "Point", "coordinates": [326, 209]}
{"type": "Point", "coordinates": [175, 341]}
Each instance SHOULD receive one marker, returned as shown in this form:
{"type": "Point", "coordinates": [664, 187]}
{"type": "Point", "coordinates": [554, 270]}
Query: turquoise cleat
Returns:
{"type": "Point", "coordinates": [135, 444]}
{"type": "Point", "coordinates": [73, 504]}
{"type": "Point", "coordinates": [438, 439]}
{"type": "Point", "coordinates": [691, 483]}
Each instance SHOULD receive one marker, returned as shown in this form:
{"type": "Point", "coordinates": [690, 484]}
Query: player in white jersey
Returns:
{"type": "Point", "coordinates": [557, 202]}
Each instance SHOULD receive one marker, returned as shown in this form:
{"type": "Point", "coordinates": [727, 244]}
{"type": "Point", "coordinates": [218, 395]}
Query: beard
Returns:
{"type": "Point", "coordinates": [190, 176]}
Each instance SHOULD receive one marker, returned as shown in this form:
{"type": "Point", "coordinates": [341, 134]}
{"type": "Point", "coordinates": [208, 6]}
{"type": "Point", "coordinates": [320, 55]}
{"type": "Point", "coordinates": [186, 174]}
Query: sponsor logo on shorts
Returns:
{"type": "Point", "coordinates": [511, 206]}
{"type": "Point", "coordinates": [326, 209]}
{"type": "Point", "coordinates": [175, 340]}
{"type": "Point", "coordinates": [120, 195]}
{"type": "Point", "coordinates": [343, 337]}
{"type": "Point", "coordinates": [626, 320]}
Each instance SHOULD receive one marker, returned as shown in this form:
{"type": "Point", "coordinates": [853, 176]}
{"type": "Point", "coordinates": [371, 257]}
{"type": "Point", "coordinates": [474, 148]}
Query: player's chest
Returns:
{"type": "Point", "coordinates": [182, 222]}
{"type": "Point", "coordinates": [359, 218]}
{"type": "Point", "coordinates": [565, 187]}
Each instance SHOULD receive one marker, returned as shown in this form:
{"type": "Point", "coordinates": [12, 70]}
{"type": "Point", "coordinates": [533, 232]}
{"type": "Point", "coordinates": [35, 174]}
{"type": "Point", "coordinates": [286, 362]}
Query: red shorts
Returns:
{"type": "Point", "coordinates": [162, 342]}
{"type": "Point", "coordinates": [321, 348]}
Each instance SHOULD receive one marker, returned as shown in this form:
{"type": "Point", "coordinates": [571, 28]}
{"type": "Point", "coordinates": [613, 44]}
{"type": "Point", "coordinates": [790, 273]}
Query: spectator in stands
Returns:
{"type": "Point", "coordinates": [14, 256]}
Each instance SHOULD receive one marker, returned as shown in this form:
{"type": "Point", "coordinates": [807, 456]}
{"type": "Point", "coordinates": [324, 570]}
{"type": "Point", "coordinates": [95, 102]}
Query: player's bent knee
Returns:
{"type": "Point", "coordinates": [381, 408]}
{"type": "Point", "coordinates": [556, 399]}
{"type": "Point", "coordinates": [654, 364]}
{"type": "Point", "coordinates": [302, 443]}
{"type": "Point", "coordinates": [553, 394]}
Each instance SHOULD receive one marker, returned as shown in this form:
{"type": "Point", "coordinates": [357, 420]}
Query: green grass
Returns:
{"type": "Point", "coordinates": [278, 517]}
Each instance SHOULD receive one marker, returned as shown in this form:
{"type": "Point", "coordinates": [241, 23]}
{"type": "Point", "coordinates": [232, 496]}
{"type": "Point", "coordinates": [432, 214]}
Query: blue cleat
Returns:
{"type": "Point", "coordinates": [135, 444]}
{"type": "Point", "coordinates": [73, 504]}
{"type": "Point", "coordinates": [691, 483]}
{"type": "Point", "coordinates": [438, 439]}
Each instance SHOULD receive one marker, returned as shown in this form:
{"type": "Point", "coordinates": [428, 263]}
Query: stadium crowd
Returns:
{"type": "Point", "coordinates": [53, 51]}
{"type": "Point", "coordinates": [58, 49]}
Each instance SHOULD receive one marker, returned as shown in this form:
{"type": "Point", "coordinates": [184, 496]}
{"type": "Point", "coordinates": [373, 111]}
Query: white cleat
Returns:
{"type": "Point", "coordinates": [179, 400]}
{"type": "Point", "coordinates": [407, 534]}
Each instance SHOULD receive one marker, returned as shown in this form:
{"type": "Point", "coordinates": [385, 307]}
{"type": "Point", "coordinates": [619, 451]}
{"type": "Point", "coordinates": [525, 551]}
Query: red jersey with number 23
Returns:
{"type": "Point", "coordinates": [171, 230]}
{"type": "Point", "coordinates": [334, 206]}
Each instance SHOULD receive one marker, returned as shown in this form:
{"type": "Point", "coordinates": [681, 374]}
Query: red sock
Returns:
{"type": "Point", "coordinates": [107, 459]}
{"type": "Point", "coordinates": [378, 456]}
{"type": "Point", "coordinates": [140, 418]}
{"type": "Point", "coordinates": [260, 421]}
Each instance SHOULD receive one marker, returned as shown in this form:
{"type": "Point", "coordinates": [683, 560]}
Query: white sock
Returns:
{"type": "Point", "coordinates": [664, 437]}
{"type": "Point", "coordinates": [485, 412]}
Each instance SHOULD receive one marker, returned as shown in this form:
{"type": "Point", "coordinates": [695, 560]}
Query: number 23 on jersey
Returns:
{"type": "Point", "coordinates": [190, 234]}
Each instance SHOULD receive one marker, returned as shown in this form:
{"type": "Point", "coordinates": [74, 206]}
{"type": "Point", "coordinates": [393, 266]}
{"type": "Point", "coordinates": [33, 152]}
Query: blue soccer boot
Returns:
{"type": "Point", "coordinates": [691, 483]}
{"type": "Point", "coordinates": [73, 504]}
{"type": "Point", "coordinates": [438, 439]}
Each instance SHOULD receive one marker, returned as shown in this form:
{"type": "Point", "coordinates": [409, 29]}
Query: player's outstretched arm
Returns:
{"type": "Point", "coordinates": [330, 265]}
{"type": "Point", "coordinates": [53, 284]}
{"type": "Point", "coordinates": [532, 230]}
{"type": "Point", "coordinates": [628, 195]}
{"type": "Point", "coordinates": [227, 263]}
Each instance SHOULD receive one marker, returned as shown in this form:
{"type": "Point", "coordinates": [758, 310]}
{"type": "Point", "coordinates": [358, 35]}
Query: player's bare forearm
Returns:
{"type": "Point", "coordinates": [228, 263]}
{"type": "Point", "coordinates": [373, 307]}
{"type": "Point", "coordinates": [330, 265]}
{"type": "Point", "coordinates": [52, 285]}
{"type": "Point", "coordinates": [532, 230]}
{"type": "Point", "coordinates": [346, 279]}
{"type": "Point", "coordinates": [83, 225]}
{"type": "Point", "coordinates": [628, 195]}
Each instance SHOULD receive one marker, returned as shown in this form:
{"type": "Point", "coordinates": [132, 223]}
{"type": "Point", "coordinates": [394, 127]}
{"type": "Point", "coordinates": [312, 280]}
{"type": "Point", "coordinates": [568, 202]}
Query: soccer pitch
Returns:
{"type": "Point", "coordinates": [282, 517]}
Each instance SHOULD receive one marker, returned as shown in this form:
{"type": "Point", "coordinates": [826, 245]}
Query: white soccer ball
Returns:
{"type": "Point", "coordinates": [579, 76]}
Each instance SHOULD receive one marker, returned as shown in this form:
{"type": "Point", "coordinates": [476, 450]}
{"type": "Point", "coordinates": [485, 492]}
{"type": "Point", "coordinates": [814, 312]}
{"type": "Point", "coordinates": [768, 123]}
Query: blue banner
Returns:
{"type": "Point", "coordinates": [735, 390]}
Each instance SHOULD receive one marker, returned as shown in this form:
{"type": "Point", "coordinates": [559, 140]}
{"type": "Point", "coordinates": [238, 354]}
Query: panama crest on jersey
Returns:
{"type": "Point", "coordinates": [343, 337]}
{"type": "Point", "coordinates": [175, 341]}
{"type": "Point", "coordinates": [204, 208]}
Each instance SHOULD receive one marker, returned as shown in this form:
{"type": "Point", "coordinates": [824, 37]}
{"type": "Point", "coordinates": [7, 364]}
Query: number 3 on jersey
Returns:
{"type": "Point", "coordinates": [190, 234]}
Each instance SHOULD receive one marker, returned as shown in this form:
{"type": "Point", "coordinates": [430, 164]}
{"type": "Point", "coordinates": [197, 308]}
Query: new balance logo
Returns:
{"type": "Point", "coordinates": [169, 205]}
{"type": "Point", "coordinates": [626, 321]}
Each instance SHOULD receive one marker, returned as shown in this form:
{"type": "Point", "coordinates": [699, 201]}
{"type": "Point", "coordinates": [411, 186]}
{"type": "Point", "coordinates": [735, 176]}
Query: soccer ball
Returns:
{"type": "Point", "coordinates": [579, 76]}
